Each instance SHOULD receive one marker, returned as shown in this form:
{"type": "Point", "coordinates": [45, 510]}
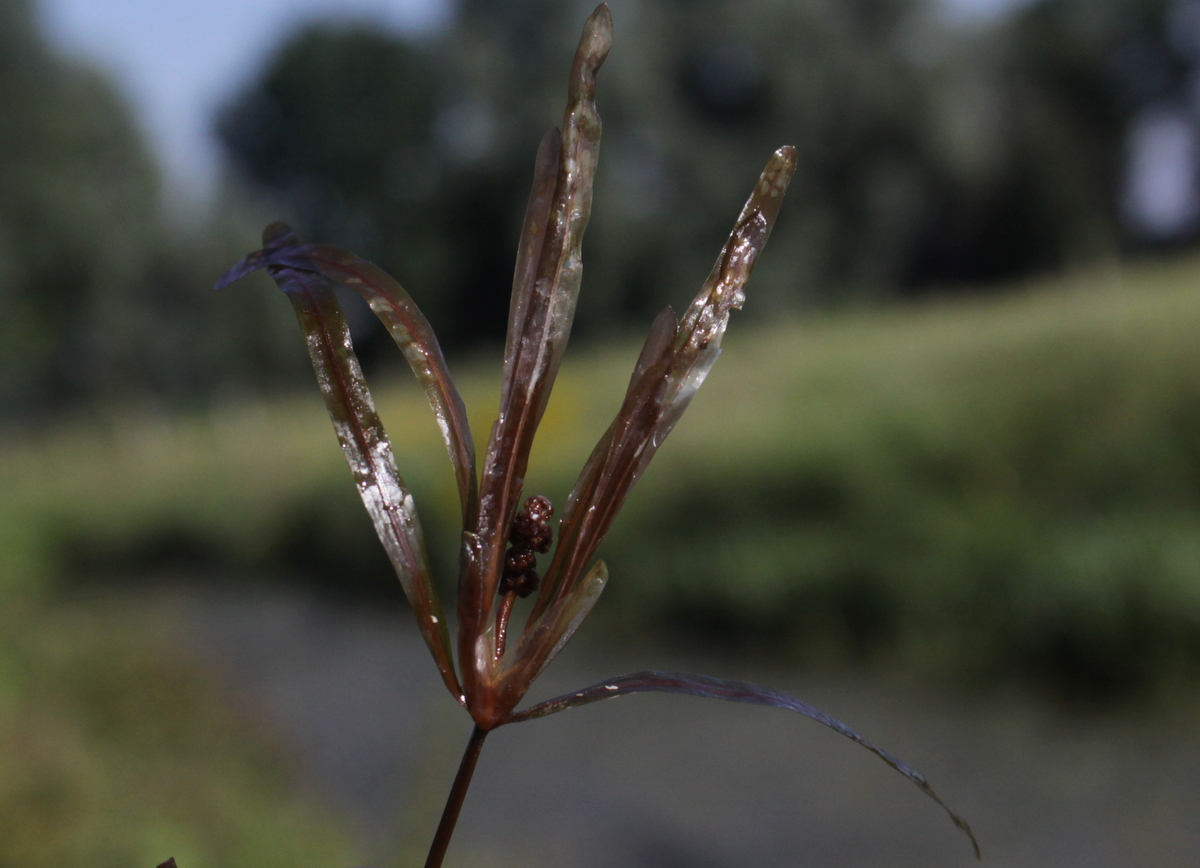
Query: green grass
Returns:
{"type": "Point", "coordinates": [994, 486]}
{"type": "Point", "coordinates": [117, 750]}
{"type": "Point", "coordinates": [988, 488]}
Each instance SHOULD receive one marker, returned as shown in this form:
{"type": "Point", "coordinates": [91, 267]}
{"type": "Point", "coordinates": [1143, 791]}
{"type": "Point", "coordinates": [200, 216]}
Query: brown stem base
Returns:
{"type": "Point", "coordinates": [454, 803]}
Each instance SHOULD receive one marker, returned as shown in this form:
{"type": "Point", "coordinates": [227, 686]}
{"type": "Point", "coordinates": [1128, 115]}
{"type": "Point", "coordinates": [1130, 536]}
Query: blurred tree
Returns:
{"type": "Point", "coordinates": [339, 130]}
{"type": "Point", "coordinates": [77, 205]}
{"type": "Point", "coordinates": [931, 155]}
{"type": "Point", "coordinates": [102, 302]}
{"type": "Point", "coordinates": [421, 158]}
{"type": "Point", "coordinates": [1036, 124]}
{"type": "Point", "coordinates": [705, 90]}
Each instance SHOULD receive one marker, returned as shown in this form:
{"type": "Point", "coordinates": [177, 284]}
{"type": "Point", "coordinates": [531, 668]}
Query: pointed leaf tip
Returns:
{"type": "Point", "coordinates": [674, 363]}
{"type": "Point", "coordinates": [276, 237]}
{"type": "Point", "coordinates": [541, 315]}
{"type": "Point", "coordinates": [250, 262]}
{"type": "Point", "coordinates": [599, 26]}
{"type": "Point", "coordinates": [707, 687]}
{"type": "Point", "coordinates": [307, 275]}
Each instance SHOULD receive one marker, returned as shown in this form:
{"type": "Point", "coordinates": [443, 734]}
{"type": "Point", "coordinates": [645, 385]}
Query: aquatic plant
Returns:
{"type": "Point", "coordinates": [502, 538]}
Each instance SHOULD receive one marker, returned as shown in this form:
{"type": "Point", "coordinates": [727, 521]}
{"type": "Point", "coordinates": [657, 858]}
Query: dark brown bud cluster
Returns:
{"type": "Point", "coordinates": [530, 534]}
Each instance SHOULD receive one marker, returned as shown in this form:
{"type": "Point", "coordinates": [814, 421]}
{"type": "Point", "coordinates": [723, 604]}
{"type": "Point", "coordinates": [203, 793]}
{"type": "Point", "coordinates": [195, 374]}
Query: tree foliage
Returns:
{"type": "Point", "coordinates": [703, 88]}
{"type": "Point", "coordinates": [103, 300]}
{"type": "Point", "coordinates": [76, 206]}
{"type": "Point", "coordinates": [929, 156]}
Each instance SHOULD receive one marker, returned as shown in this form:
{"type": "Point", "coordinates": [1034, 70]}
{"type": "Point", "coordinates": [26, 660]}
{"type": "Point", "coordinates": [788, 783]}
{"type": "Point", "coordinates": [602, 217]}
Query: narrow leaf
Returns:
{"type": "Point", "coordinates": [529, 249]}
{"type": "Point", "coordinates": [673, 363]}
{"type": "Point", "coordinates": [662, 336]}
{"type": "Point", "coordinates": [541, 322]}
{"type": "Point", "coordinates": [541, 645]}
{"type": "Point", "coordinates": [250, 262]}
{"type": "Point", "coordinates": [403, 320]}
{"type": "Point", "coordinates": [733, 691]}
{"type": "Point", "coordinates": [363, 440]}
{"type": "Point", "coordinates": [415, 338]}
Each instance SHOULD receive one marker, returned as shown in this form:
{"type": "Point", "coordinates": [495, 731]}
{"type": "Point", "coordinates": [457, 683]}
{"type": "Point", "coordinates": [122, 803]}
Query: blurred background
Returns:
{"type": "Point", "coordinates": [945, 482]}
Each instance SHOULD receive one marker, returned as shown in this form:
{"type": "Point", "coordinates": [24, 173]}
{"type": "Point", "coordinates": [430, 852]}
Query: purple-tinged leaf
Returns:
{"type": "Point", "coordinates": [541, 645]}
{"type": "Point", "coordinates": [403, 320]}
{"type": "Point", "coordinates": [529, 248]}
{"type": "Point", "coordinates": [361, 435]}
{"type": "Point", "coordinates": [662, 335]}
{"type": "Point", "coordinates": [541, 322]}
{"type": "Point", "coordinates": [673, 363]}
{"type": "Point", "coordinates": [732, 691]}
{"type": "Point", "coordinates": [276, 237]}
{"type": "Point", "coordinates": [415, 338]}
{"type": "Point", "coordinates": [250, 262]}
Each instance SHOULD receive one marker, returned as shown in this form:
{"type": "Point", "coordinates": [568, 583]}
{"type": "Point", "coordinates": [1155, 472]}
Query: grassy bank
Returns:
{"type": "Point", "coordinates": [991, 486]}
{"type": "Point", "coordinates": [116, 749]}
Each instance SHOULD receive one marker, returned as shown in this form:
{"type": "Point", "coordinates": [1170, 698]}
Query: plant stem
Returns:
{"type": "Point", "coordinates": [502, 616]}
{"type": "Point", "coordinates": [454, 802]}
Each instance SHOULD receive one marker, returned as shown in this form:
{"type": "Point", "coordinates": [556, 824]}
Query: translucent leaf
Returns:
{"type": "Point", "coordinates": [415, 338]}
{"type": "Point", "coordinates": [248, 263]}
{"type": "Point", "coordinates": [542, 312]}
{"type": "Point", "coordinates": [673, 363]}
{"type": "Point", "coordinates": [541, 645]}
{"type": "Point", "coordinates": [403, 320]}
{"type": "Point", "coordinates": [662, 336]}
{"type": "Point", "coordinates": [733, 691]}
{"type": "Point", "coordinates": [529, 248]}
{"type": "Point", "coordinates": [360, 432]}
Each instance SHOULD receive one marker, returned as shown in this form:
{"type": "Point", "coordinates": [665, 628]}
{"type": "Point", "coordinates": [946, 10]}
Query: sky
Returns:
{"type": "Point", "coordinates": [179, 60]}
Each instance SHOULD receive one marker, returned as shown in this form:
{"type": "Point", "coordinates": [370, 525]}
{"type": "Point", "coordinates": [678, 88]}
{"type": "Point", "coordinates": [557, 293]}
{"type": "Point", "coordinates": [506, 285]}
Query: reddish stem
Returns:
{"type": "Point", "coordinates": [454, 803]}
{"type": "Point", "coordinates": [502, 616]}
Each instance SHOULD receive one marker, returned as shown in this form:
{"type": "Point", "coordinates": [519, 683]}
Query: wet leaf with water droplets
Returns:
{"type": "Point", "coordinates": [415, 338]}
{"type": "Point", "coordinates": [541, 315]}
{"type": "Point", "coordinates": [363, 440]}
{"type": "Point", "coordinates": [673, 363]}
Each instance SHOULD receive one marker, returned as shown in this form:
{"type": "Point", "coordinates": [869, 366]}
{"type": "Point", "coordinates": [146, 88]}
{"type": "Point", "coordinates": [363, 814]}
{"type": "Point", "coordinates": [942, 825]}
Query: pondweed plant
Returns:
{"type": "Point", "coordinates": [502, 538]}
